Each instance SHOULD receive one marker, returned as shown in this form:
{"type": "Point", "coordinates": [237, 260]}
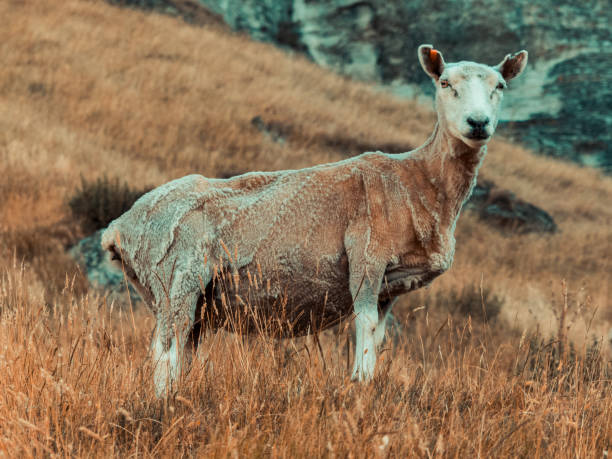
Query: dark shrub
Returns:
{"type": "Point", "coordinates": [95, 204]}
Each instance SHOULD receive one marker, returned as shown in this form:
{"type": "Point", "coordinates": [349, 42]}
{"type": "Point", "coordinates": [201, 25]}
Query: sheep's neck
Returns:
{"type": "Point", "coordinates": [451, 167]}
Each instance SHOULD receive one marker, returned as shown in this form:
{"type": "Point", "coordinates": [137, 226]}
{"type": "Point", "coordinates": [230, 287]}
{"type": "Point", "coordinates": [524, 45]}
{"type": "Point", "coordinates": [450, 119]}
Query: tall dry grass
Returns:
{"type": "Point", "coordinates": [88, 90]}
{"type": "Point", "coordinates": [76, 383]}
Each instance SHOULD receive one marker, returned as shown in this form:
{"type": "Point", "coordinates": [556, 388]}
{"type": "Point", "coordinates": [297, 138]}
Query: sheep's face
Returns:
{"type": "Point", "coordinates": [468, 98]}
{"type": "Point", "coordinates": [469, 95]}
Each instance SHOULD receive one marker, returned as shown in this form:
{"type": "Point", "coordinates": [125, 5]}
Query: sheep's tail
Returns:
{"type": "Point", "coordinates": [111, 242]}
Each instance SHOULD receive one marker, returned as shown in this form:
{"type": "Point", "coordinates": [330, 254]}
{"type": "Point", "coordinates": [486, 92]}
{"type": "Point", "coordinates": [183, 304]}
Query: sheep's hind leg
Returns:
{"type": "Point", "coordinates": [169, 347]}
{"type": "Point", "coordinates": [165, 358]}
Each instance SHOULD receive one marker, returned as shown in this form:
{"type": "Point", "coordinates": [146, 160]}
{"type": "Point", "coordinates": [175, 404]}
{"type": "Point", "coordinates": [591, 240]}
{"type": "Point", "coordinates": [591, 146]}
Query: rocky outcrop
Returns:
{"type": "Point", "coordinates": [190, 10]}
{"type": "Point", "coordinates": [560, 106]}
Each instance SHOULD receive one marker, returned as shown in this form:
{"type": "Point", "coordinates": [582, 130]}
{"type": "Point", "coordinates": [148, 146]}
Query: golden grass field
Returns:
{"type": "Point", "coordinates": [88, 89]}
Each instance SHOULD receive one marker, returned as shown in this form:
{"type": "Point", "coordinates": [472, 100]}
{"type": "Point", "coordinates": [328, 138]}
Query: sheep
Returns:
{"type": "Point", "coordinates": [333, 241]}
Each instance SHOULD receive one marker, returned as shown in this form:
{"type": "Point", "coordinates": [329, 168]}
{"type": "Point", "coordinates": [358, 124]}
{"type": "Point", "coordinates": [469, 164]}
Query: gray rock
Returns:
{"type": "Point", "coordinates": [102, 274]}
{"type": "Point", "coordinates": [277, 132]}
{"type": "Point", "coordinates": [560, 107]}
{"type": "Point", "coordinates": [503, 210]}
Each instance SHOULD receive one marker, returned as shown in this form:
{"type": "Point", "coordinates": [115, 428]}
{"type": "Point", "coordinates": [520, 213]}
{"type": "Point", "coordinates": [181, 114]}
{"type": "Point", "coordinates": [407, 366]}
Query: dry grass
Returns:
{"type": "Point", "coordinates": [76, 382]}
{"type": "Point", "coordinates": [90, 90]}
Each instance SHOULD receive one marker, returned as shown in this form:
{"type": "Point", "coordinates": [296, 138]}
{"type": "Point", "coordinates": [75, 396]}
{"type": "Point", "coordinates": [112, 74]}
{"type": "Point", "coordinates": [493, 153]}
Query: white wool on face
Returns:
{"type": "Point", "coordinates": [472, 93]}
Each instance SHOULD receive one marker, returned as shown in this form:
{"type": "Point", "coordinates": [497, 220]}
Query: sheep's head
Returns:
{"type": "Point", "coordinates": [469, 95]}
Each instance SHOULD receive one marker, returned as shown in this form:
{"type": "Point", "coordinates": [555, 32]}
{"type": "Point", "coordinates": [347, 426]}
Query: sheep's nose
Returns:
{"type": "Point", "coordinates": [478, 124]}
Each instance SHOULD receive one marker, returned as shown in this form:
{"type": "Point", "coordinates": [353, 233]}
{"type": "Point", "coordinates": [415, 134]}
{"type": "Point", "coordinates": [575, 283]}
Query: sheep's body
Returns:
{"type": "Point", "coordinates": [327, 241]}
{"type": "Point", "coordinates": [294, 225]}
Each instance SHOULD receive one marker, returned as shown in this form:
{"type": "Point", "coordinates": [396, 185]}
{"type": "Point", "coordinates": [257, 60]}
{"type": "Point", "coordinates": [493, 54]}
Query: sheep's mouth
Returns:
{"type": "Point", "coordinates": [475, 141]}
{"type": "Point", "coordinates": [478, 135]}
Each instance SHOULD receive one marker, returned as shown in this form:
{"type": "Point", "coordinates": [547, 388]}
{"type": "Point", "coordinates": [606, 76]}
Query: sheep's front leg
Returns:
{"type": "Point", "coordinates": [365, 297]}
{"type": "Point", "coordinates": [170, 341]}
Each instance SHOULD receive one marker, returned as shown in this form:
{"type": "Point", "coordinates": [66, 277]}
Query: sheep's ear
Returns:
{"type": "Point", "coordinates": [431, 60]}
{"type": "Point", "coordinates": [512, 65]}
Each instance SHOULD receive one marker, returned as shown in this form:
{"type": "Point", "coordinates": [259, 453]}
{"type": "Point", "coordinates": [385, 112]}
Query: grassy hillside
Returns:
{"type": "Point", "coordinates": [88, 90]}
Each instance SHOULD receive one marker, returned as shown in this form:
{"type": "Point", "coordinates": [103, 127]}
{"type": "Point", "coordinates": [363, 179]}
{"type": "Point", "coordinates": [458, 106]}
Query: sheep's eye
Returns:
{"type": "Point", "coordinates": [444, 84]}
{"type": "Point", "coordinates": [501, 86]}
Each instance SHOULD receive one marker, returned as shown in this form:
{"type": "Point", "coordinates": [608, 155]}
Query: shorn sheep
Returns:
{"type": "Point", "coordinates": [329, 241]}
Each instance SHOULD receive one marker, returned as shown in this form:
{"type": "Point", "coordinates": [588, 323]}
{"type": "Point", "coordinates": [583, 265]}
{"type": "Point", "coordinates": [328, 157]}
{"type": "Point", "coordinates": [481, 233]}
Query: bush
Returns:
{"type": "Point", "coordinates": [480, 304]}
{"type": "Point", "coordinates": [95, 204]}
